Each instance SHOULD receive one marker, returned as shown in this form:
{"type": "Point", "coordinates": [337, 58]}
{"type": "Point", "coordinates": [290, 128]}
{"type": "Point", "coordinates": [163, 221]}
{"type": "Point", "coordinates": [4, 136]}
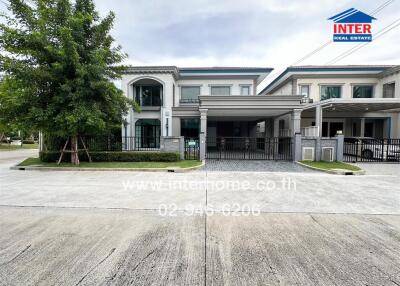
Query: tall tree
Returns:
{"type": "Point", "coordinates": [59, 61]}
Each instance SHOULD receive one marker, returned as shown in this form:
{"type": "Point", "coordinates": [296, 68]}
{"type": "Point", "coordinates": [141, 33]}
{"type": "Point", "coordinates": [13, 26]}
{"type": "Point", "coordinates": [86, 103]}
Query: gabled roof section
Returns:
{"type": "Point", "coordinates": [318, 71]}
{"type": "Point", "coordinates": [352, 16]}
{"type": "Point", "coordinates": [390, 71]}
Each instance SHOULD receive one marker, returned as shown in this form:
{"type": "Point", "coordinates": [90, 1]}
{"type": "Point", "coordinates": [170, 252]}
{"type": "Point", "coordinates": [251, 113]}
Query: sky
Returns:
{"type": "Point", "coordinates": [262, 33]}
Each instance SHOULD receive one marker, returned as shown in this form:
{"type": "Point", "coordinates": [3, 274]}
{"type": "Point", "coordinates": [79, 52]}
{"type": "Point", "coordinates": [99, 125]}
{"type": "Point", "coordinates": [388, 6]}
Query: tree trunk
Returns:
{"type": "Point", "coordinates": [74, 150]}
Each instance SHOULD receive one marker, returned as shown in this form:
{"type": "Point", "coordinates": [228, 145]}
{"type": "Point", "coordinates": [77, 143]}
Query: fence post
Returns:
{"type": "Point", "coordinates": [202, 142]}
{"type": "Point", "coordinates": [297, 147]}
{"type": "Point", "coordinates": [340, 147]}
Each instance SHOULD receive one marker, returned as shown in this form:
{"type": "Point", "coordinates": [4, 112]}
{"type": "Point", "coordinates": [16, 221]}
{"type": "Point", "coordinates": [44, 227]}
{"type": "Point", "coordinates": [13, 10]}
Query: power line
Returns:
{"type": "Point", "coordinates": [380, 33]}
{"type": "Point", "coordinates": [373, 12]}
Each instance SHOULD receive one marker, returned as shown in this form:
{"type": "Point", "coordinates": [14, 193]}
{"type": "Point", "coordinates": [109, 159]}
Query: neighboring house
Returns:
{"type": "Point", "coordinates": [360, 101]}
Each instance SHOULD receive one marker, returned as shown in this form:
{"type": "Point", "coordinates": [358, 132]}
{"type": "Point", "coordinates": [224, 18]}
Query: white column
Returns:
{"type": "Point", "coordinates": [203, 133]}
{"type": "Point", "coordinates": [318, 119]}
{"type": "Point", "coordinates": [276, 127]}
{"type": "Point", "coordinates": [362, 127]}
{"type": "Point", "coordinates": [203, 121]}
{"type": "Point", "coordinates": [296, 119]}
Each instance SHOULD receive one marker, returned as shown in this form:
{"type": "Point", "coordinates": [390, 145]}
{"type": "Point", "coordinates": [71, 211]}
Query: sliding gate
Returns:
{"type": "Point", "coordinates": [249, 148]}
{"type": "Point", "coordinates": [371, 150]}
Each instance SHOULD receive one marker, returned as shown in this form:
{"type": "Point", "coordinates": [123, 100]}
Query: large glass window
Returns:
{"type": "Point", "coordinates": [190, 127]}
{"type": "Point", "coordinates": [190, 93]}
{"type": "Point", "coordinates": [330, 91]}
{"type": "Point", "coordinates": [148, 95]}
{"type": "Point", "coordinates": [147, 133]}
{"type": "Point", "coordinates": [245, 90]}
{"type": "Point", "coordinates": [220, 90]}
{"type": "Point", "coordinates": [363, 91]}
{"type": "Point", "coordinates": [388, 90]}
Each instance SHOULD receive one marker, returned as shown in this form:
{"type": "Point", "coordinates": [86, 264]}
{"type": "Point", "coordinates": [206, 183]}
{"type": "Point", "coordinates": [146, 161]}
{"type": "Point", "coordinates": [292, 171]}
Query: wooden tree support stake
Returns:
{"type": "Point", "coordinates": [86, 150]}
{"type": "Point", "coordinates": [62, 152]}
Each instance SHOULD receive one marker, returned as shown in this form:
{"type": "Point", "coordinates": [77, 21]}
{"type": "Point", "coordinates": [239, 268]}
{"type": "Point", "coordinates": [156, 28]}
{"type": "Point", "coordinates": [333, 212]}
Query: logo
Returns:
{"type": "Point", "coordinates": [352, 26]}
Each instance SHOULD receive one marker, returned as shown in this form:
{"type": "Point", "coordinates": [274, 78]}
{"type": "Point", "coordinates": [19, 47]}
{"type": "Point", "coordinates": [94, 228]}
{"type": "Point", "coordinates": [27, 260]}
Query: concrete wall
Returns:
{"type": "Point", "coordinates": [318, 144]}
{"type": "Point", "coordinates": [174, 144]}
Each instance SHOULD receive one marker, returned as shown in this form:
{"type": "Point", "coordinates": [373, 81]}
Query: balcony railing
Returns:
{"type": "Point", "coordinates": [285, 133]}
{"type": "Point", "coordinates": [189, 101]}
{"type": "Point", "coordinates": [311, 131]}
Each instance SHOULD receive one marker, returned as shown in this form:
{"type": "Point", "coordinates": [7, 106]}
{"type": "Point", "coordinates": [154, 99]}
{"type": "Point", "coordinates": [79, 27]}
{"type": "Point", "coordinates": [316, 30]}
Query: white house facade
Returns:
{"type": "Point", "coordinates": [220, 106]}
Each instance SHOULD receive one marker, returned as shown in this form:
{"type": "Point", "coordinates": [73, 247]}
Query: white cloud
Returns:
{"type": "Point", "coordinates": [272, 33]}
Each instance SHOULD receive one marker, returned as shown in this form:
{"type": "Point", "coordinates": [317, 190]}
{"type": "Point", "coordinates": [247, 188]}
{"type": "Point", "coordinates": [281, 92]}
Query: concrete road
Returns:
{"type": "Point", "coordinates": [276, 228]}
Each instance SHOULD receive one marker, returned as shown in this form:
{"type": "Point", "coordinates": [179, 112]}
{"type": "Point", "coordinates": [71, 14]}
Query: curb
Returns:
{"type": "Point", "coordinates": [168, 170]}
{"type": "Point", "coordinates": [334, 171]}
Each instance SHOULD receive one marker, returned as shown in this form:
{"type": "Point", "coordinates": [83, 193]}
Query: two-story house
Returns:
{"type": "Point", "coordinates": [216, 102]}
{"type": "Point", "coordinates": [222, 105]}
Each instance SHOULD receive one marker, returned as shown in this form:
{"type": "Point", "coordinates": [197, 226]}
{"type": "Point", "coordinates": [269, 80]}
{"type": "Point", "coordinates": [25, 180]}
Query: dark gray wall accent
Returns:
{"type": "Point", "coordinates": [173, 144]}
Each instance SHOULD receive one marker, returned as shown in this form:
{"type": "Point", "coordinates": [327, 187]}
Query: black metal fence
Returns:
{"type": "Point", "coordinates": [107, 143]}
{"type": "Point", "coordinates": [192, 149]}
{"type": "Point", "coordinates": [249, 148]}
{"type": "Point", "coordinates": [371, 150]}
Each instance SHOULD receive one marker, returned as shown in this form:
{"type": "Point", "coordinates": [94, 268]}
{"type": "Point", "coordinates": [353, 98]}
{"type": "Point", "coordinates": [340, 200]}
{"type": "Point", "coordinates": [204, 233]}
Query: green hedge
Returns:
{"type": "Point", "coordinates": [28, 142]}
{"type": "Point", "coordinates": [52, 156]}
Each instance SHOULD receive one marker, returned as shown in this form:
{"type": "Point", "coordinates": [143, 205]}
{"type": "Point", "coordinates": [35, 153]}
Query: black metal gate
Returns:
{"type": "Point", "coordinates": [249, 148]}
{"type": "Point", "coordinates": [192, 149]}
{"type": "Point", "coordinates": [371, 150]}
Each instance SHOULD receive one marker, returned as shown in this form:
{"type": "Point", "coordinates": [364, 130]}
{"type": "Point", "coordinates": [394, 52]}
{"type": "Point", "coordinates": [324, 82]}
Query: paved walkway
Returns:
{"type": "Point", "coordinates": [123, 228]}
{"type": "Point", "coordinates": [254, 166]}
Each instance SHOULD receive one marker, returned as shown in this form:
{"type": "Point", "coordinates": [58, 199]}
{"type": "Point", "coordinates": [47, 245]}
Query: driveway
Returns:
{"type": "Point", "coordinates": [254, 166]}
{"type": "Point", "coordinates": [262, 228]}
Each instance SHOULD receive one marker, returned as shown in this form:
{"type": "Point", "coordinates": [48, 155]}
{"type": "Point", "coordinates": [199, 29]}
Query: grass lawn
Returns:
{"type": "Point", "coordinates": [141, 165]}
{"type": "Point", "coordinates": [331, 165]}
{"type": "Point", "coordinates": [8, 147]}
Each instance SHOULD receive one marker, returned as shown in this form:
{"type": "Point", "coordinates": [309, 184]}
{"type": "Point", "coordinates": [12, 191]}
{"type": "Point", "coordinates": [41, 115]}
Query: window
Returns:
{"type": "Point", "coordinates": [147, 133]}
{"type": "Point", "coordinates": [190, 127]}
{"type": "Point", "coordinates": [148, 95]}
{"type": "Point", "coordinates": [245, 90]}
{"type": "Point", "coordinates": [328, 91]}
{"type": "Point", "coordinates": [220, 90]}
{"type": "Point", "coordinates": [190, 93]}
{"type": "Point", "coordinates": [388, 90]}
{"type": "Point", "coordinates": [305, 90]}
{"type": "Point", "coordinates": [363, 91]}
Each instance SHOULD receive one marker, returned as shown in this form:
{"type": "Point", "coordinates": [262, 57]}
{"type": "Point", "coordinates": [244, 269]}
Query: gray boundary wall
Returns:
{"type": "Point", "coordinates": [174, 144]}
{"type": "Point", "coordinates": [318, 143]}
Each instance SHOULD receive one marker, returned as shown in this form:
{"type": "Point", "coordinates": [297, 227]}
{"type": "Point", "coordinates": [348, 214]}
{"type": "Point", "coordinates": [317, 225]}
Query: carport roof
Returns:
{"type": "Point", "coordinates": [358, 105]}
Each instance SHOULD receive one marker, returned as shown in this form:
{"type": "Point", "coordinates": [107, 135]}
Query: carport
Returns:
{"type": "Point", "coordinates": [228, 126]}
{"type": "Point", "coordinates": [371, 126]}
{"type": "Point", "coordinates": [363, 109]}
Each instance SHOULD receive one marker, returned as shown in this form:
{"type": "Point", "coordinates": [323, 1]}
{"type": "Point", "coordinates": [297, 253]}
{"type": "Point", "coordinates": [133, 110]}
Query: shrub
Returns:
{"type": "Point", "coordinates": [28, 142]}
{"type": "Point", "coordinates": [52, 156]}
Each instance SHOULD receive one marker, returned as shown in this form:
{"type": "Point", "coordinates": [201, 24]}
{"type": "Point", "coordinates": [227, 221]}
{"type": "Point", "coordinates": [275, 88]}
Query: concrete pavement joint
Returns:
{"type": "Point", "coordinates": [215, 211]}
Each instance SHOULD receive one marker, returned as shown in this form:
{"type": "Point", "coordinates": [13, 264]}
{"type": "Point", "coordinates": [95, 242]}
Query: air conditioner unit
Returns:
{"type": "Point", "coordinates": [327, 154]}
{"type": "Point", "coordinates": [308, 153]}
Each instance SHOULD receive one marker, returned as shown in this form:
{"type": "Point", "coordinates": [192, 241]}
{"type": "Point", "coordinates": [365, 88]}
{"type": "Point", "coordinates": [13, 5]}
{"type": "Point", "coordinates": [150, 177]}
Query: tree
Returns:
{"type": "Point", "coordinates": [59, 61]}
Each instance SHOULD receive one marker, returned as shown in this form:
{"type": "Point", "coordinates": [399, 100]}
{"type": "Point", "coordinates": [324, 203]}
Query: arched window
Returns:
{"type": "Point", "coordinates": [148, 92]}
{"type": "Point", "coordinates": [147, 133]}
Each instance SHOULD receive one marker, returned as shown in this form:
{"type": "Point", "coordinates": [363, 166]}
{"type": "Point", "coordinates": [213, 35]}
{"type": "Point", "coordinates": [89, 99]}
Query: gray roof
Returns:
{"type": "Point", "coordinates": [285, 76]}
